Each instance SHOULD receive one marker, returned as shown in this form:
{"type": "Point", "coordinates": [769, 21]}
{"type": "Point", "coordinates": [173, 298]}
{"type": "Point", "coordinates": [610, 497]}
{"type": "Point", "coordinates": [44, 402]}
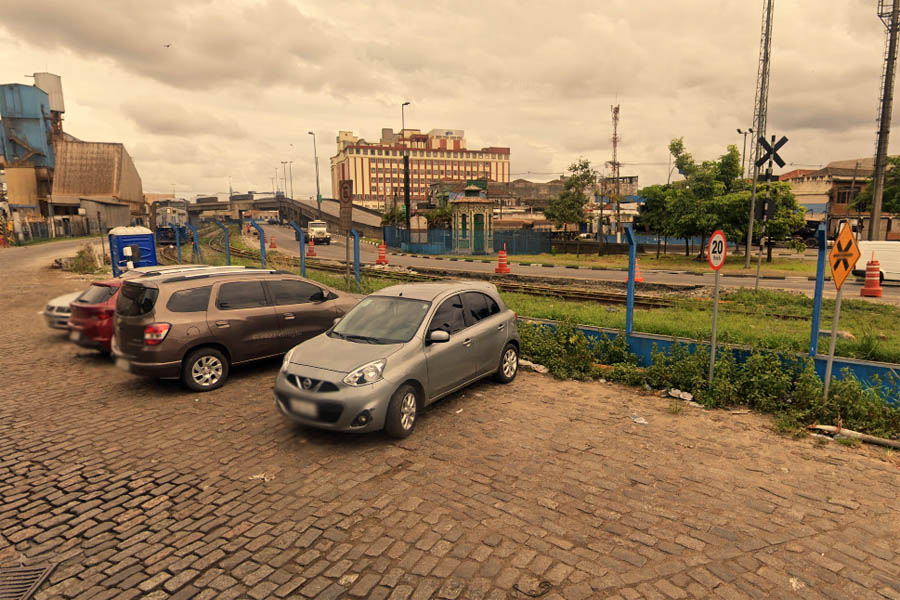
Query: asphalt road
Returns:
{"type": "Point", "coordinates": [284, 238]}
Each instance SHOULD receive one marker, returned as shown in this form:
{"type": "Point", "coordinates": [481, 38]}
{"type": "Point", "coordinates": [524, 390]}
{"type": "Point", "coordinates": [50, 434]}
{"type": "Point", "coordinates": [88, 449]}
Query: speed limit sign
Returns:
{"type": "Point", "coordinates": [715, 252]}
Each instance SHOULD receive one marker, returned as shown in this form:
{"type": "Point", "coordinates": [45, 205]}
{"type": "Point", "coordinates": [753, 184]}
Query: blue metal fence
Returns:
{"type": "Point", "coordinates": [649, 239]}
{"type": "Point", "coordinates": [523, 241]}
{"type": "Point", "coordinates": [433, 241]}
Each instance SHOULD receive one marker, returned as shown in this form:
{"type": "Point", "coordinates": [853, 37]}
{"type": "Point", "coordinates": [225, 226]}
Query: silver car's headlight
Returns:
{"type": "Point", "coordinates": [287, 359]}
{"type": "Point", "coordinates": [369, 373]}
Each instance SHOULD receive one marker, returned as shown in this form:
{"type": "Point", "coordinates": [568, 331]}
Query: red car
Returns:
{"type": "Point", "coordinates": [91, 319]}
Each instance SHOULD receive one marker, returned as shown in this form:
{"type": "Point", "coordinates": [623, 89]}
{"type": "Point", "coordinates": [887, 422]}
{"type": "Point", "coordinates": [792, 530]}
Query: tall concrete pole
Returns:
{"type": "Point", "coordinates": [760, 112]}
{"type": "Point", "coordinates": [316, 158]}
{"type": "Point", "coordinates": [884, 122]}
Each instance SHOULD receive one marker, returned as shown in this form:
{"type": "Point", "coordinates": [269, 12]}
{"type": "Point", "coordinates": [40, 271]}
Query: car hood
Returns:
{"type": "Point", "coordinates": [65, 299]}
{"type": "Point", "coordinates": [335, 354]}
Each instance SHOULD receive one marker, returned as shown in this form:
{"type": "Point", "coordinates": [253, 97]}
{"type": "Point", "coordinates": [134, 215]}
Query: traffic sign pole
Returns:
{"type": "Point", "coordinates": [716, 249]}
{"type": "Point", "coordinates": [712, 347]}
{"type": "Point", "coordinates": [843, 257]}
{"type": "Point", "coordinates": [834, 326]}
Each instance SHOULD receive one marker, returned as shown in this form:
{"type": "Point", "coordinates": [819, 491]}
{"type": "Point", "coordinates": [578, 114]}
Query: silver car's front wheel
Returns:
{"type": "Point", "coordinates": [408, 411]}
{"type": "Point", "coordinates": [402, 411]}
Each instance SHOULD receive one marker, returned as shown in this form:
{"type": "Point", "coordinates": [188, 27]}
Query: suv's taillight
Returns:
{"type": "Point", "coordinates": [155, 333]}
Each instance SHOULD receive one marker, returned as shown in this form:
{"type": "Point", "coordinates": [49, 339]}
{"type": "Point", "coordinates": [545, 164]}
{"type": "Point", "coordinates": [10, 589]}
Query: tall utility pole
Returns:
{"type": "Point", "coordinates": [291, 175]}
{"type": "Point", "coordinates": [744, 153]}
{"type": "Point", "coordinates": [760, 110]}
{"type": "Point", "coordinates": [406, 201]}
{"type": "Point", "coordinates": [316, 159]}
{"type": "Point", "coordinates": [888, 16]}
{"type": "Point", "coordinates": [284, 168]}
{"type": "Point", "coordinates": [614, 164]}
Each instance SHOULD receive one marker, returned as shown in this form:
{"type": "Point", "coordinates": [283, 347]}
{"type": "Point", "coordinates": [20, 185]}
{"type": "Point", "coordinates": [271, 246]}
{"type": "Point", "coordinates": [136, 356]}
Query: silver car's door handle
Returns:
{"type": "Point", "coordinates": [288, 316]}
{"type": "Point", "coordinates": [500, 327]}
{"type": "Point", "coordinates": [467, 342]}
{"type": "Point", "coordinates": [222, 324]}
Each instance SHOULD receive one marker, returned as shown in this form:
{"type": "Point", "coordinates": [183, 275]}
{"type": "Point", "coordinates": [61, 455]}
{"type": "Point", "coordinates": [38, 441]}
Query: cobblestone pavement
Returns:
{"type": "Point", "coordinates": [139, 488]}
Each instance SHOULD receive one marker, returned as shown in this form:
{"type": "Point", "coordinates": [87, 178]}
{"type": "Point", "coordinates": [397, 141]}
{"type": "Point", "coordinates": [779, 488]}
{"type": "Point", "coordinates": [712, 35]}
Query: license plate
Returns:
{"type": "Point", "coordinates": [123, 364]}
{"type": "Point", "coordinates": [75, 336]}
{"type": "Point", "coordinates": [304, 408]}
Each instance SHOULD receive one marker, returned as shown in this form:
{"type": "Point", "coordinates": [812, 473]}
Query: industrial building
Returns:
{"type": "Point", "coordinates": [54, 183]}
{"type": "Point", "coordinates": [376, 168]}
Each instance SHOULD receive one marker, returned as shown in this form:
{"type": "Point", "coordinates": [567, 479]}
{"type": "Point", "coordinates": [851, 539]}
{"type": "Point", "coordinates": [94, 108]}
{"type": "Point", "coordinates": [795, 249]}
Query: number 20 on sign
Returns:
{"type": "Point", "coordinates": [716, 250]}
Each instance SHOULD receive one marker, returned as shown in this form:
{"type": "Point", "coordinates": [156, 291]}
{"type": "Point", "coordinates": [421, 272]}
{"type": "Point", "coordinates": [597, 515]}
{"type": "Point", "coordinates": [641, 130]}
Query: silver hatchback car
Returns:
{"type": "Point", "coordinates": [397, 351]}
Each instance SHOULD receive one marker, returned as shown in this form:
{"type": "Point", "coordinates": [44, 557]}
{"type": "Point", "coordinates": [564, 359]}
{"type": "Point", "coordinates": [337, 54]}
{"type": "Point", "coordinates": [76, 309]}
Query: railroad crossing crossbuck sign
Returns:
{"type": "Point", "coordinates": [771, 151]}
{"type": "Point", "coordinates": [843, 256]}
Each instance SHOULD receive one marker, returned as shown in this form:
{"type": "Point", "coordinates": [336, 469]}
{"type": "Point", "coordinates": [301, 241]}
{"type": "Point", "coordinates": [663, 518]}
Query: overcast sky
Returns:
{"type": "Point", "coordinates": [242, 82]}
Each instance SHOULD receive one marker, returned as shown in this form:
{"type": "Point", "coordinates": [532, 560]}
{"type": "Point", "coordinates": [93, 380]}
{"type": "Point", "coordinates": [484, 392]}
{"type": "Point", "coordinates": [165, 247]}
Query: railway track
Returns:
{"type": "Point", "coordinates": [565, 293]}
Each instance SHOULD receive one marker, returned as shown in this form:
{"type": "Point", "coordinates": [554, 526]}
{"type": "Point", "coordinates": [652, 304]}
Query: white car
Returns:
{"type": "Point", "coordinates": [56, 313]}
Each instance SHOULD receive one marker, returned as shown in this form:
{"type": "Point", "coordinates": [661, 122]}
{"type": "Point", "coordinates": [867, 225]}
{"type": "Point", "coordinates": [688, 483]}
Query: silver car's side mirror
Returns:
{"type": "Point", "coordinates": [437, 336]}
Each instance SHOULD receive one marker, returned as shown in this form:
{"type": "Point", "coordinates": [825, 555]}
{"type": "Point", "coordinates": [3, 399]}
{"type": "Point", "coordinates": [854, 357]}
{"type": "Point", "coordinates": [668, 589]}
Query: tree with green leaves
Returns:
{"type": "Point", "coordinates": [654, 214]}
{"type": "Point", "coordinates": [578, 187]}
{"type": "Point", "coordinates": [440, 218]}
{"type": "Point", "coordinates": [890, 199]}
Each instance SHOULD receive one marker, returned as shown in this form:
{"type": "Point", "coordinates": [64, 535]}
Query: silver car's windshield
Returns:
{"type": "Point", "coordinates": [382, 320]}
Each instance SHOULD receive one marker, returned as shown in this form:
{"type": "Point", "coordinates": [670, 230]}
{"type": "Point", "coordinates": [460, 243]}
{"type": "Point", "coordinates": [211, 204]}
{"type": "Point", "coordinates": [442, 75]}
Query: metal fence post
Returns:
{"type": "Point", "coordinates": [262, 242]}
{"type": "Point", "coordinates": [355, 235]}
{"type": "Point", "coordinates": [177, 240]}
{"type": "Point", "coordinates": [632, 259]}
{"type": "Point", "coordinates": [227, 242]}
{"type": "Point", "coordinates": [820, 282]}
{"type": "Point", "coordinates": [196, 249]}
{"type": "Point", "coordinates": [300, 236]}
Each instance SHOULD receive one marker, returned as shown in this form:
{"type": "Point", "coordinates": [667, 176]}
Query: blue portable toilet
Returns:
{"type": "Point", "coordinates": [141, 244]}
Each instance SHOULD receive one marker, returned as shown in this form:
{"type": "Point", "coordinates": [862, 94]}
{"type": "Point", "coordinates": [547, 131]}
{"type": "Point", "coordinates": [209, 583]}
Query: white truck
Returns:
{"type": "Point", "coordinates": [318, 231]}
{"type": "Point", "coordinates": [886, 253]}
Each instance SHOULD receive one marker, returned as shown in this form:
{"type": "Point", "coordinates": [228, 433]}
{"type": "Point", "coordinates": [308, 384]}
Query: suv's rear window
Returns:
{"type": "Point", "coordinates": [97, 294]}
{"type": "Point", "coordinates": [192, 300]}
{"type": "Point", "coordinates": [135, 300]}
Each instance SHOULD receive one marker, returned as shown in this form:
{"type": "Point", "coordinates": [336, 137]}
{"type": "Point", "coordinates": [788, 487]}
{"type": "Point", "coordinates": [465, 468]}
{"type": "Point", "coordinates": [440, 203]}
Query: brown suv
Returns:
{"type": "Point", "coordinates": [196, 325]}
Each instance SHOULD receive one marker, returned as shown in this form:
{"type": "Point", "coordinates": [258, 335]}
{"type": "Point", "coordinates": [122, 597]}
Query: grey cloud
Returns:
{"type": "Point", "coordinates": [169, 119]}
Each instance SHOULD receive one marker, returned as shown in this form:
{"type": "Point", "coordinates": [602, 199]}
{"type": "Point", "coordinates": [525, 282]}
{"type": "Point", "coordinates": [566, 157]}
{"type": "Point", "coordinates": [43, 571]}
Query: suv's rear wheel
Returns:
{"type": "Point", "coordinates": [204, 369]}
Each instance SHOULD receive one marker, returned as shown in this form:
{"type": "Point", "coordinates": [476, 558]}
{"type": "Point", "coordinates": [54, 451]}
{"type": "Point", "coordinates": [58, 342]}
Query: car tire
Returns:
{"type": "Point", "coordinates": [204, 370]}
{"type": "Point", "coordinates": [509, 364]}
{"type": "Point", "coordinates": [399, 421]}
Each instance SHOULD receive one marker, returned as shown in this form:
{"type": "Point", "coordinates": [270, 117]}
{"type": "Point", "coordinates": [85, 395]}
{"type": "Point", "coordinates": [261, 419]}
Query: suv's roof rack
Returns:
{"type": "Point", "coordinates": [247, 271]}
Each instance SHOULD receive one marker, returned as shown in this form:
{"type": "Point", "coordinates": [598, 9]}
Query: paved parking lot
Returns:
{"type": "Point", "coordinates": [141, 489]}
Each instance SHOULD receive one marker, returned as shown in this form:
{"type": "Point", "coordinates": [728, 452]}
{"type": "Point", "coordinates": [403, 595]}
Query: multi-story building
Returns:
{"type": "Point", "coordinates": [376, 168]}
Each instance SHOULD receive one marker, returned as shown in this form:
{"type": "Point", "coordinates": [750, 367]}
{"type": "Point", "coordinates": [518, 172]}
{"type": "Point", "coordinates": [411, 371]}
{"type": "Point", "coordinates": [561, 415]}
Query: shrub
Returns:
{"type": "Point", "coordinates": [764, 382]}
{"type": "Point", "coordinates": [565, 351]}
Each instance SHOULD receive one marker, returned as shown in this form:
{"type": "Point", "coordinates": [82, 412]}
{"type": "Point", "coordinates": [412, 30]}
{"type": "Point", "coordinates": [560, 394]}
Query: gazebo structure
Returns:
{"type": "Point", "coordinates": [473, 228]}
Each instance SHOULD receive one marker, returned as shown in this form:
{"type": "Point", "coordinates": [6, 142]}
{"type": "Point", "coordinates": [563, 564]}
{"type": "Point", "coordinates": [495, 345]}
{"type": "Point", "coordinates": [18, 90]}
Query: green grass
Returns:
{"type": "Point", "coordinates": [693, 319]}
{"type": "Point", "coordinates": [672, 262]}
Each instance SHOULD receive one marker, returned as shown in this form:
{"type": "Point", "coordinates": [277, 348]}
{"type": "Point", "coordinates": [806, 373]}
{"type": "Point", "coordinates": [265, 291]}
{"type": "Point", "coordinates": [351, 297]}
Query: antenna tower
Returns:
{"type": "Point", "coordinates": [614, 164]}
{"type": "Point", "coordinates": [888, 12]}
{"type": "Point", "coordinates": [760, 109]}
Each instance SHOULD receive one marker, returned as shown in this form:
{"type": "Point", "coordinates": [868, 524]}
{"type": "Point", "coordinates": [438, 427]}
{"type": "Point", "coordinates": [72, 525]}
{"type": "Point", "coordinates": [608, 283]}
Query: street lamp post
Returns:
{"type": "Point", "coordinates": [284, 170]}
{"type": "Point", "coordinates": [291, 175]}
{"type": "Point", "coordinates": [406, 201]}
{"type": "Point", "coordinates": [316, 159]}
{"type": "Point", "coordinates": [744, 153]}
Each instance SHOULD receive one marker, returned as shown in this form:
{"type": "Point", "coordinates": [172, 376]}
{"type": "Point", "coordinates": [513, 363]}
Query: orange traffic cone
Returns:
{"type": "Point", "coordinates": [872, 287]}
{"type": "Point", "coordinates": [382, 254]}
{"type": "Point", "coordinates": [638, 278]}
{"type": "Point", "coordinates": [312, 247]}
{"type": "Point", "coordinates": [502, 267]}
{"type": "Point", "coordinates": [272, 243]}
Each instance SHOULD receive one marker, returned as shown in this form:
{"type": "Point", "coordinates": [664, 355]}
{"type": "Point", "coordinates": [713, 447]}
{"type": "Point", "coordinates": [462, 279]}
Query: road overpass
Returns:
{"type": "Point", "coordinates": [366, 221]}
